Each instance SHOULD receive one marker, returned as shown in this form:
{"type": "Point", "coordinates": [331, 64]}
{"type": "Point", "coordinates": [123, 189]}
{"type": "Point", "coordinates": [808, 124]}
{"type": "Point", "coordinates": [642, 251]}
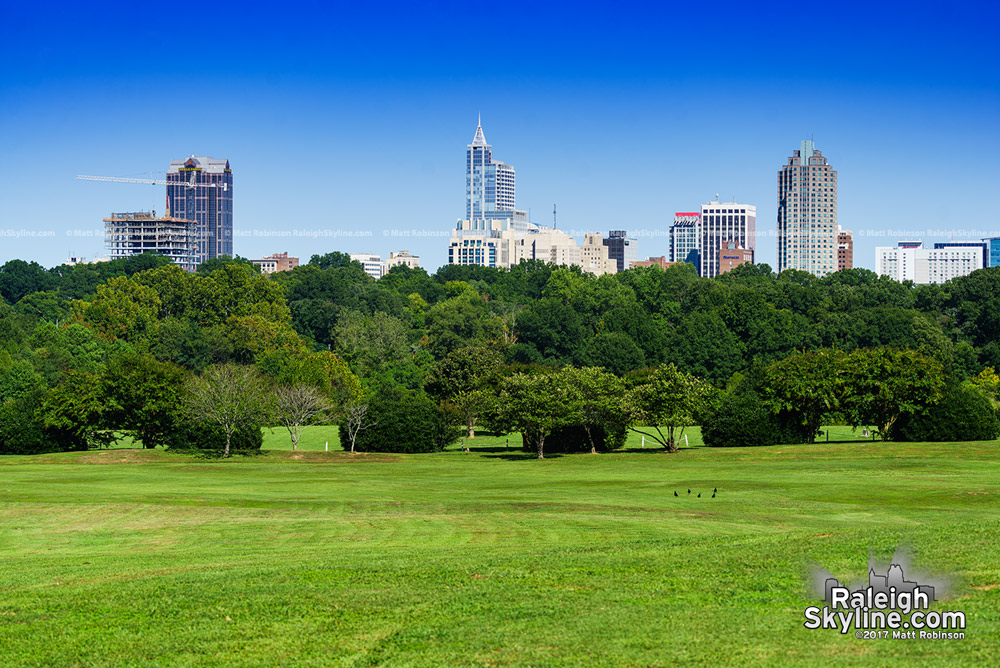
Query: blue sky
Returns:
{"type": "Point", "coordinates": [346, 123]}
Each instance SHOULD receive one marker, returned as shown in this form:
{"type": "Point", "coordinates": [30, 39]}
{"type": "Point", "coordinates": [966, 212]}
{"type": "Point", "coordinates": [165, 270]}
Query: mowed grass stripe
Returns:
{"type": "Point", "coordinates": [481, 558]}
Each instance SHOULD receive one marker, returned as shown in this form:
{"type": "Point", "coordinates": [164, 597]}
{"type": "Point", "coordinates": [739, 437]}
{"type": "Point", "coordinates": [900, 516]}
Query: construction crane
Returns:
{"type": "Point", "coordinates": [156, 182]}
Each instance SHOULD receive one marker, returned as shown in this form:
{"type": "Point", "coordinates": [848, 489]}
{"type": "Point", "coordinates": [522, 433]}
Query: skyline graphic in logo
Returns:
{"type": "Point", "coordinates": [883, 578]}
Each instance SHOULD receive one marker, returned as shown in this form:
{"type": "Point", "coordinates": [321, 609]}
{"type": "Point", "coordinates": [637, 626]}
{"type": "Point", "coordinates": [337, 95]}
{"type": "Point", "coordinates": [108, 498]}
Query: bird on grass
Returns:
{"type": "Point", "coordinates": [713, 495]}
{"type": "Point", "coordinates": [699, 495]}
{"type": "Point", "coordinates": [715, 490]}
{"type": "Point", "coordinates": [675, 493]}
{"type": "Point", "coordinates": [689, 491]}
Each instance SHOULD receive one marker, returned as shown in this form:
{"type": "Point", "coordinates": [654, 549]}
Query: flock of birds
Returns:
{"type": "Point", "coordinates": [714, 490]}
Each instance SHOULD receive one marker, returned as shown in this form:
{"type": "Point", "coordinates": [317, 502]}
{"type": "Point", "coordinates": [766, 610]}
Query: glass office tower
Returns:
{"type": "Point", "coordinates": [489, 183]}
{"type": "Point", "coordinates": [201, 189]}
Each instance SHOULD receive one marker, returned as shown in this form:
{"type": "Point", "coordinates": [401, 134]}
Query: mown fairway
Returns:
{"type": "Point", "coordinates": [133, 558]}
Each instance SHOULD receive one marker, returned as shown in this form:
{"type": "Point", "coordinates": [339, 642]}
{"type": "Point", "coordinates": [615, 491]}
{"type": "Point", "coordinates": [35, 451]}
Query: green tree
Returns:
{"type": "Point", "coordinates": [597, 401]}
{"type": "Point", "coordinates": [460, 377]}
{"type": "Point", "coordinates": [19, 278]}
{"type": "Point", "coordinates": [668, 399]}
{"type": "Point", "coordinates": [371, 342]}
{"type": "Point", "coordinates": [614, 351]}
{"type": "Point", "coordinates": [76, 410]}
{"type": "Point", "coordinates": [808, 386]}
{"type": "Point", "coordinates": [965, 413]}
{"type": "Point", "coordinates": [331, 260]}
{"type": "Point", "coordinates": [534, 405]}
{"type": "Point", "coordinates": [885, 383]}
{"type": "Point", "coordinates": [230, 397]}
{"type": "Point", "coordinates": [141, 398]}
{"type": "Point", "coordinates": [122, 309]}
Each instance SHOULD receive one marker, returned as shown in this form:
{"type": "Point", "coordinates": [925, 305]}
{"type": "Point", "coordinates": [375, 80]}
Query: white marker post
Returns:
{"type": "Point", "coordinates": [328, 446]}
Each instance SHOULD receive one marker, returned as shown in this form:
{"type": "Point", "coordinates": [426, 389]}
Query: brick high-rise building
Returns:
{"type": "Point", "coordinates": [807, 213]}
{"type": "Point", "coordinates": [845, 250]}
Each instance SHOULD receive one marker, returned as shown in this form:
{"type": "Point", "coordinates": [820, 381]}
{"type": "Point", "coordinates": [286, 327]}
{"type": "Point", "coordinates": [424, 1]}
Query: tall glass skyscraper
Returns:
{"type": "Point", "coordinates": [201, 189]}
{"type": "Point", "coordinates": [489, 183]}
{"type": "Point", "coordinates": [807, 213]}
{"type": "Point", "coordinates": [685, 239]}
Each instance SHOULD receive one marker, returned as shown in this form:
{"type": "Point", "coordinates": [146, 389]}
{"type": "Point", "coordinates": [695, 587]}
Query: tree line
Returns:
{"type": "Point", "coordinates": [90, 353]}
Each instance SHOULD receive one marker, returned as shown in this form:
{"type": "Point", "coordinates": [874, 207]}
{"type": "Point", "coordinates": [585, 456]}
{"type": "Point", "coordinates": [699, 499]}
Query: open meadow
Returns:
{"type": "Point", "coordinates": [127, 557]}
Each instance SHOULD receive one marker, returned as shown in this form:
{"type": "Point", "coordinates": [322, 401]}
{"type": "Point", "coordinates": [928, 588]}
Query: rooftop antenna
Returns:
{"type": "Point", "coordinates": [554, 216]}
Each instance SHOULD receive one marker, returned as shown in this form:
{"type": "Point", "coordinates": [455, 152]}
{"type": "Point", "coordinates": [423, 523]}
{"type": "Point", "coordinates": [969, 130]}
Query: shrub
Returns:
{"type": "Point", "coordinates": [742, 420]}
{"type": "Point", "coordinates": [402, 420]}
{"type": "Point", "coordinates": [210, 437]}
{"type": "Point", "coordinates": [964, 413]}
{"type": "Point", "coordinates": [574, 439]}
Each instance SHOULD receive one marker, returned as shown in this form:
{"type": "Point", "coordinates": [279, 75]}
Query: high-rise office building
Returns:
{"type": "Point", "coordinates": [496, 234]}
{"type": "Point", "coordinates": [595, 255]}
{"type": "Point", "coordinates": [623, 250]}
{"type": "Point", "coordinates": [489, 183]}
{"type": "Point", "coordinates": [845, 249]}
{"type": "Point", "coordinates": [725, 223]}
{"type": "Point", "coordinates": [201, 189]}
{"type": "Point", "coordinates": [685, 239]}
{"type": "Point", "coordinates": [807, 213]}
{"type": "Point", "coordinates": [992, 252]}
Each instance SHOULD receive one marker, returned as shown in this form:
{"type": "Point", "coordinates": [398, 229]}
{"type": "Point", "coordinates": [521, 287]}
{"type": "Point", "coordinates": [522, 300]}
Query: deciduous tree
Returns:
{"type": "Point", "coordinates": [885, 383]}
{"type": "Point", "coordinates": [298, 406]}
{"type": "Point", "coordinates": [671, 400]}
{"type": "Point", "coordinates": [230, 396]}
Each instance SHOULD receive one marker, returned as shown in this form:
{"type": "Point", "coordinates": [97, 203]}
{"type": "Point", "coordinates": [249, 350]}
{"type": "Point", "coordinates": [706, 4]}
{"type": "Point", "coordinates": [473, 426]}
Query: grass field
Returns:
{"type": "Point", "coordinates": [133, 558]}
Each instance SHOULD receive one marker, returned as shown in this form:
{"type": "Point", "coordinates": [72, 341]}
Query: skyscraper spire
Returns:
{"type": "Point", "coordinates": [479, 139]}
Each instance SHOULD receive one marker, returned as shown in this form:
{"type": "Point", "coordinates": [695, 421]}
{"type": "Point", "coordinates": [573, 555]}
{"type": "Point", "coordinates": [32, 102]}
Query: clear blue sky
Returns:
{"type": "Point", "coordinates": [354, 117]}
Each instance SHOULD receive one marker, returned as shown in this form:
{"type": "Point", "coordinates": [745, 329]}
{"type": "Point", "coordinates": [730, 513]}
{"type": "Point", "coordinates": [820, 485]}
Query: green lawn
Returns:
{"type": "Point", "coordinates": [134, 558]}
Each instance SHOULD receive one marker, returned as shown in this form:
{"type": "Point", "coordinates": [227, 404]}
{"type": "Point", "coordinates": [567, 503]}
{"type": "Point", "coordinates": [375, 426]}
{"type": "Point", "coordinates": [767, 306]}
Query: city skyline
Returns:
{"type": "Point", "coordinates": [618, 142]}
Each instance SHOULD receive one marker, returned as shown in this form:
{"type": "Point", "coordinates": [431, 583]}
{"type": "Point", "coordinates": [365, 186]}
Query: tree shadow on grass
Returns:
{"type": "Point", "coordinates": [646, 451]}
{"type": "Point", "coordinates": [514, 456]}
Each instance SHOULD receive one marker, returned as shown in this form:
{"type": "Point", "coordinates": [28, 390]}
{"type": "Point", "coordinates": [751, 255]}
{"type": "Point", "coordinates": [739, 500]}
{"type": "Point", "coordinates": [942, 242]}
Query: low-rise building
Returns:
{"type": "Point", "coordinates": [660, 262]}
{"type": "Point", "coordinates": [910, 261]}
{"type": "Point", "coordinates": [402, 257]}
{"type": "Point", "coordinates": [276, 262]}
{"type": "Point", "coordinates": [371, 263]}
{"type": "Point", "coordinates": [731, 255]}
{"type": "Point", "coordinates": [504, 244]}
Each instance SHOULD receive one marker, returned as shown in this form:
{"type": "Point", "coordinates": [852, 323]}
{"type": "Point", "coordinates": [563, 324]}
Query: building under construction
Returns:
{"type": "Point", "coordinates": [127, 234]}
